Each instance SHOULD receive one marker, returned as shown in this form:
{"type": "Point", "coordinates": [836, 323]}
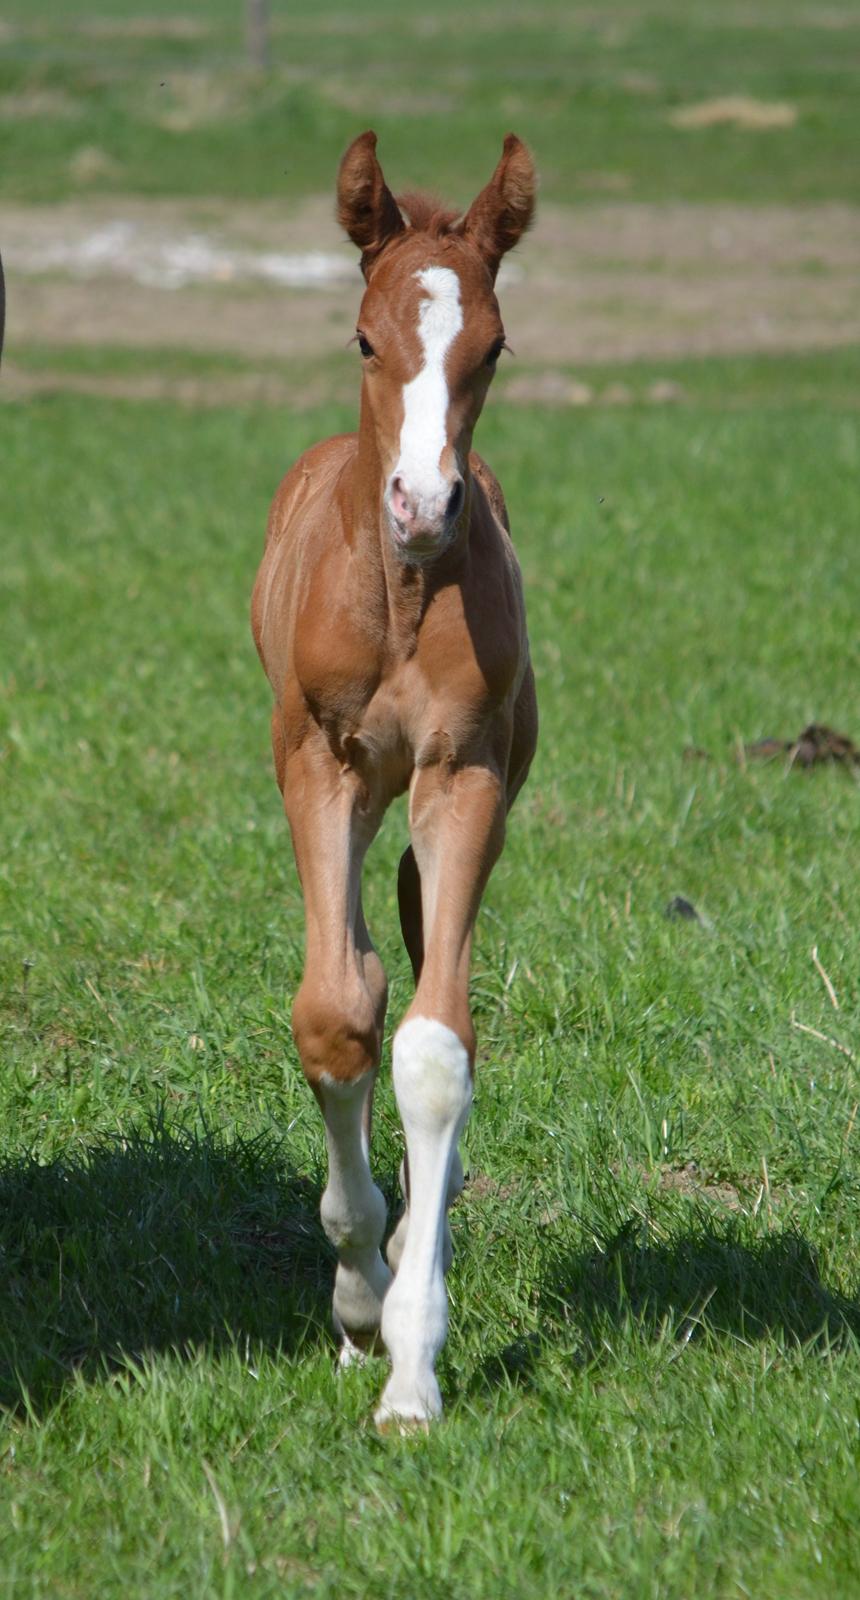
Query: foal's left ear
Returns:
{"type": "Point", "coordinates": [366, 208]}
{"type": "Point", "coordinates": [504, 209]}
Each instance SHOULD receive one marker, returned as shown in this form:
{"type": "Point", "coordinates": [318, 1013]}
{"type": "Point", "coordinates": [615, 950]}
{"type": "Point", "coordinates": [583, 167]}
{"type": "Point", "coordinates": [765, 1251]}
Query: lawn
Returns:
{"type": "Point", "coordinates": [100, 98]}
{"type": "Point", "coordinates": [652, 1378]}
{"type": "Point", "coordinates": [652, 1373]}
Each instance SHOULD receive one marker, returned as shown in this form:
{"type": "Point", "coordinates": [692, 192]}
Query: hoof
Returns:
{"type": "Point", "coordinates": [400, 1427]}
{"type": "Point", "coordinates": [358, 1345]}
{"type": "Point", "coordinates": [356, 1312]}
{"type": "Point", "coordinates": [409, 1408]}
{"type": "Point", "coordinates": [350, 1354]}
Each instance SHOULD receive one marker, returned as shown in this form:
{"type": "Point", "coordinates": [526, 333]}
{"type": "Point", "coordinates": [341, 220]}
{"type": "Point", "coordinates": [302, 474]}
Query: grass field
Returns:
{"type": "Point", "coordinates": [133, 98]}
{"type": "Point", "coordinates": [652, 1378]}
{"type": "Point", "coordinates": [652, 1373]}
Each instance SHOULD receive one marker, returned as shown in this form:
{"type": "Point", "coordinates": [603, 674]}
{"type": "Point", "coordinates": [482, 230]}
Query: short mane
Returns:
{"type": "Point", "coordinates": [427, 214]}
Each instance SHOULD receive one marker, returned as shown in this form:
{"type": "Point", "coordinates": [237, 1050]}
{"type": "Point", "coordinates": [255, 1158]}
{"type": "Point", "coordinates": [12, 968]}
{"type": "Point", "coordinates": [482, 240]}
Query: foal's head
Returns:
{"type": "Point", "coordinates": [429, 330]}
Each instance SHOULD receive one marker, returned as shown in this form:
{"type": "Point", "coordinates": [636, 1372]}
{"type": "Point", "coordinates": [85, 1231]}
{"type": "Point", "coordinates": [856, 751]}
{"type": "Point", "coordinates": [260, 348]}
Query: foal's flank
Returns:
{"type": "Point", "coordinates": [388, 614]}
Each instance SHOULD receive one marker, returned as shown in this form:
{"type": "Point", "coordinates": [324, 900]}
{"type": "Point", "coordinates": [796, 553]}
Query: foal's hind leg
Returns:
{"type": "Point", "coordinates": [409, 906]}
{"type": "Point", "coordinates": [454, 1187]}
{"type": "Point", "coordinates": [338, 1016]}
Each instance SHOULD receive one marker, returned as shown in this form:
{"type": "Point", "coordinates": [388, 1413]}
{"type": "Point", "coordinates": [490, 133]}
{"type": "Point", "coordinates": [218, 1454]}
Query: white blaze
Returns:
{"type": "Point", "coordinates": [425, 399]}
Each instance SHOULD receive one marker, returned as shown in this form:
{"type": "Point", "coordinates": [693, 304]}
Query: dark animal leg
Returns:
{"type": "Point", "coordinates": [409, 903]}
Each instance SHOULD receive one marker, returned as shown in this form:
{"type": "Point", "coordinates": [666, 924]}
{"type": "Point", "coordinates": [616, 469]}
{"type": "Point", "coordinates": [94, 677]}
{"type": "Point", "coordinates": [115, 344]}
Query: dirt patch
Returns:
{"type": "Point", "coordinates": [546, 388]}
{"type": "Point", "coordinates": [277, 389]}
{"type": "Point", "coordinates": [196, 99]}
{"type": "Point", "coordinates": [480, 1186]}
{"type": "Point", "coordinates": [239, 389]}
{"type": "Point", "coordinates": [553, 388]}
{"type": "Point", "coordinates": [735, 111]}
{"type": "Point", "coordinates": [639, 83]}
{"type": "Point", "coordinates": [607, 281]}
{"type": "Point", "coordinates": [38, 103]}
{"type": "Point", "coordinates": [688, 1180]}
{"type": "Point", "coordinates": [90, 164]}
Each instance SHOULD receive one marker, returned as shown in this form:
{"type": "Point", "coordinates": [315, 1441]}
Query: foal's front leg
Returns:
{"type": "Point", "coordinates": [457, 825]}
{"type": "Point", "coordinates": [338, 1017]}
{"type": "Point", "coordinates": [412, 927]}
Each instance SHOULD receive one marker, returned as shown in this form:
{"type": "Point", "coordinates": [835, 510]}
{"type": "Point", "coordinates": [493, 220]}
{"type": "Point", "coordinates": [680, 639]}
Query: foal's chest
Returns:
{"type": "Point", "coordinates": [415, 689]}
{"type": "Point", "coordinates": [424, 712]}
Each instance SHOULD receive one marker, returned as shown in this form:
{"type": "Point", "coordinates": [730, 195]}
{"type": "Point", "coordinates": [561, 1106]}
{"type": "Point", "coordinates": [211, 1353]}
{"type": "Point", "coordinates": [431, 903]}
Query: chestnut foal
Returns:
{"type": "Point", "coordinates": [388, 614]}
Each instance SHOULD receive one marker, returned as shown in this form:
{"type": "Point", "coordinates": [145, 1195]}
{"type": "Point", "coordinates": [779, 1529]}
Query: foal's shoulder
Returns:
{"type": "Point", "coordinates": [491, 487]}
{"type": "Point", "coordinates": [315, 472]}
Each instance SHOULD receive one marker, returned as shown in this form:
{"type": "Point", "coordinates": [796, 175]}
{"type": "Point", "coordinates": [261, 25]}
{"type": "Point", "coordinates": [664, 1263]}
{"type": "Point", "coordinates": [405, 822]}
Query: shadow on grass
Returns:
{"type": "Point", "coordinates": [164, 1240]}
{"type": "Point", "coordinates": [716, 1281]}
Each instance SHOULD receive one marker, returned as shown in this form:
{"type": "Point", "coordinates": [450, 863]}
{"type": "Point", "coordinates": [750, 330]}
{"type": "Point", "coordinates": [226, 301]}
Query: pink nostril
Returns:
{"type": "Point", "coordinates": [402, 507]}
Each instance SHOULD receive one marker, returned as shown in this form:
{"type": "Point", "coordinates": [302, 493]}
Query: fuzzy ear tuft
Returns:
{"type": "Point", "coordinates": [366, 208]}
{"type": "Point", "coordinates": [498, 218]}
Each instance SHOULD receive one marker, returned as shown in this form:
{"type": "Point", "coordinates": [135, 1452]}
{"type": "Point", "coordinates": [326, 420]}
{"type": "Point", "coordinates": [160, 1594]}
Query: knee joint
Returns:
{"type": "Point", "coordinates": [432, 1080]}
{"type": "Point", "coordinates": [335, 1034]}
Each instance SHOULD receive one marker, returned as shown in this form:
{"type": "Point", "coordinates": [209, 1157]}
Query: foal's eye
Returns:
{"type": "Point", "coordinates": [365, 346]}
{"type": "Point", "coordinates": [494, 352]}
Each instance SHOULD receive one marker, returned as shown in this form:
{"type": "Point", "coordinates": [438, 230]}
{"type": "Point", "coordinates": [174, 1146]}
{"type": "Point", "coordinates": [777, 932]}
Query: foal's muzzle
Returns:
{"type": "Point", "coordinates": [423, 524]}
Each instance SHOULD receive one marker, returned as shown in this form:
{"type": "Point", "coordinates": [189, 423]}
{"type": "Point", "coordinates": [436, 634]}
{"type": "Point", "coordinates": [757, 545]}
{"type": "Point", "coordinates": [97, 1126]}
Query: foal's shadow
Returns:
{"type": "Point", "coordinates": [713, 1281]}
{"type": "Point", "coordinates": [165, 1240]}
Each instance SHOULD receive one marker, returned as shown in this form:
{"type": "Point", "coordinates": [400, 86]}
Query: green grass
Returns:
{"type": "Point", "coordinates": [592, 89]}
{"type": "Point", "coordinates": [652, 1379]}
{"type": "Point", "coordinates": [652, 1375]}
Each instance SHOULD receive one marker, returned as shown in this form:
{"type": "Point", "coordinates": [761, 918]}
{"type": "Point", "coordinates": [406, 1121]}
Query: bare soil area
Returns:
{"type": "Point", "coordinates": [605, 282]}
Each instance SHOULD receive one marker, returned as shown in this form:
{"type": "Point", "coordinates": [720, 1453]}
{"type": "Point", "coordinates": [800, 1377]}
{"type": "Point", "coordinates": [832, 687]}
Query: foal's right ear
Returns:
{"type": "Point", "coordinates": [366, 208]}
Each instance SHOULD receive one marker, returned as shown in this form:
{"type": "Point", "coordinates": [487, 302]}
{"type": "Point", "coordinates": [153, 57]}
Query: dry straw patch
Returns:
{"type": "Point", "coordinates": [90, 164]}
{"type": "Point", "coordinates": [197, 98]}
{"type": "Point", "coordinates": [38, 103]}
{"type": "Point", "coordinates": [735, 111]}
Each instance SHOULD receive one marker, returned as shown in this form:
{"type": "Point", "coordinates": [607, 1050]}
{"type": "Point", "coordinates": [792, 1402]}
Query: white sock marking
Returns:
{"type": "Point", "coordinates": [352, 1209]}
{"type": "Point", "coordinates": [434, 1092]}
{"type": "Point", "coordinates": [425, 400]}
